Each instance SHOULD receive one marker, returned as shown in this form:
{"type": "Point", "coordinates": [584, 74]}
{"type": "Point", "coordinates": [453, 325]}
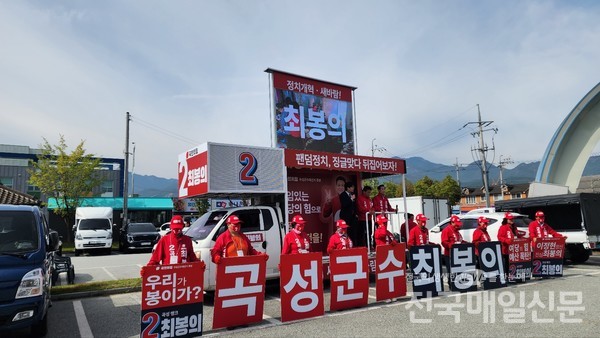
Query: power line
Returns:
{"type": "Point", "coordinates": [176, 135]}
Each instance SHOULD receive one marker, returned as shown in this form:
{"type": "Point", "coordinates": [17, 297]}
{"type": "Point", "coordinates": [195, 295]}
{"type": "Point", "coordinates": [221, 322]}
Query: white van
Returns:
{"type": "Point", "coordinates": [93, 229]}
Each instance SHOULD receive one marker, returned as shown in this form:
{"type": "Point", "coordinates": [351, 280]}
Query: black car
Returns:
{"type": "Point", "coordinates": [138, 236]}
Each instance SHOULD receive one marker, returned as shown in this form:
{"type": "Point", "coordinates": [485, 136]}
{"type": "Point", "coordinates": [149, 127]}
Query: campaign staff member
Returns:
{"type": "Point", "coordinates": [540, 229]}
{"type": "Point", "coordinates": [481, 234]}
{"type": "Point", "coordinates": [381, 202]}
{"type": "Point", "coordinates": [419, 235]}
{"type": "Point", "coordinates": [411, 225]}
{"type": "Point", "coordinates": [506, 235]}
{"type": "Point", "coordinates": [173, 248]}
{"type": "Point", "coordinates": [450, 236]}
{"type": "Point", "coordinates": [233, 243]}
{"type": "Point", "coordinates": [296, 241]}
{"type": "Point", "coordinates": [382, 235]}
{"type": "Point", "coordinates": [339, 240]}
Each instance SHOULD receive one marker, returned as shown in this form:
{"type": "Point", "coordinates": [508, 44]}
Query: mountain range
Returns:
{"type": "Point", "coordinates": [416, 168]}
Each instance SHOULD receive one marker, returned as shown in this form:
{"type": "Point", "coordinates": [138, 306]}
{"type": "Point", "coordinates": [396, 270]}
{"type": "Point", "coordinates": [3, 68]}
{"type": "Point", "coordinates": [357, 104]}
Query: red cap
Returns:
{"type": "Point", "coordinates": [482, 219]}
{"type": "Point", "coordinates": [233, 219]}
{"type": "Point", "coordinates": [176, 222]}
{"type": "Point", "coordinates": [508, 215]}
{"type": "Point", "coordinates": [298, 219]}
{"type": "Point", "coordinates": [455, 219]}
{"type": "Point", "coordinates": [341, 224]}
{"type": "Point", "coordinates": [539, 214]}
{"type": "Point", "coordinates": [421, 217]}
{"type": "Point", "coordinates": [381, 219]}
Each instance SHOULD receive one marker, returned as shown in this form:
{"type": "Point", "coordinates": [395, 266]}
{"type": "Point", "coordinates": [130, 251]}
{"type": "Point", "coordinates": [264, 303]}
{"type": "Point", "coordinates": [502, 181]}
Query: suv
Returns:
{"type": "Point", "coordinates": [470, 224]}
{"type": "Point", "coordinates": [27, 247]}
{"type": "Point", "coordinates": [138, 236]}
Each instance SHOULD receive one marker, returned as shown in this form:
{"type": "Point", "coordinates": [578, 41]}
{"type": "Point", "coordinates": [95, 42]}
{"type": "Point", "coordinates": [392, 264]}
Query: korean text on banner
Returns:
{"type": "Point", "coordinates": [463, 275]}
{"type": "Point", "coordinates": [519, 260]}
{"type": "Point", "coordinates": [301, 286]}
{"type": "Point", "coordinates": [490, 263]}
{"type": "Point", "coordinates": [240, 291]}
{"type": "Point", "coordinates": [193, 172]}
{"type": "Point", "coordinates": [172, 300]}
{"type": "Point", "coordinates": [391, 271]}
{"type": "Point", "coordinates": [426, 268]}
{"type": "Point", "coordinates": [548, 254]}
{"type": "Point", "coordinates": [349, 278]}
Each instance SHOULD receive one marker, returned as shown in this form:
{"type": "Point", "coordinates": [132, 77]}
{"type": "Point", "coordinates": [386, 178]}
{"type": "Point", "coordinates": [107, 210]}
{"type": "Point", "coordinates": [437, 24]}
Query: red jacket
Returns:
{"type": "Point", "coordinates": [450, 236]}
{"type": "Point", "coordinates": [381, 203]}
{"type": "Point", "coordinates": [411, 225]}
{"type": "Point", "coordinates": [171, 245]}
{"type": "Point", "coordinates": [363, 205]}
{"type": "Point", "coordinates": [479, 236]}
{"type": "Point", "coordinates": [294, 243]}
{"type": "Point", "coordinates": [224, 239]}
{"type": "Point", "coordinates": [337, 242]}
{"type": "Point", "coordinates": [506, 235]}
{"type": "Point", "coordinates": [418, 236]}
{"type": "Point", "coordinates": [383, 236]}
{"type": "Point", "coordinates": [537, 230]}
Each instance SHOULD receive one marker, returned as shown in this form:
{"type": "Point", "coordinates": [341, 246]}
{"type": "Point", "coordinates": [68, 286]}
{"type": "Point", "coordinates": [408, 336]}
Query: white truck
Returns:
{"type": "Point", "coordinates": [277, 184]}
{"type": "Point", "coordinates": [436, 209]}
{"type": "Point", "coordinates": [93, 229]}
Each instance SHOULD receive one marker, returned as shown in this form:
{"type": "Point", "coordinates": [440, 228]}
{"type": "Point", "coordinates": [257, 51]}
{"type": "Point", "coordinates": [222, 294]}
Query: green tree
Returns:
{"type": "Point", "coordinates": [447, 188]}
{"type": "Point", "coordinates": [65, 177]}
{"type": "Point", "coordinates": [425, 187]}
{"type": "Point", "coordinates": [202, 204]}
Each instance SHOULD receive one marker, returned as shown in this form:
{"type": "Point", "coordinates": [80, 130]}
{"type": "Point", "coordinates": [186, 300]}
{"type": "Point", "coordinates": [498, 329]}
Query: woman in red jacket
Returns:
{"type": "Point", "coordinates": [233, 243]}
{"type": "Point", "coordinates": [339, 240]}
{"type": "Point", "coordinates": [419, 235]}
{"type": "Point", "coordinates": [506, 235]}
{"type": "Point", "coordinates": [480, 234]}
{"type": "Point", "coordinates": [382, 234]}
{"type": "Point", "coordinates": [296, 241]}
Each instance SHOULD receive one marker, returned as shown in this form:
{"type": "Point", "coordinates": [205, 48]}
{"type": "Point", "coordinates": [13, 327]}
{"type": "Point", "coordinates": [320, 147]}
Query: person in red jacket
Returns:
{"type": "Point", "coordinates": [382, 234]}
{"type": "Point", "coordinates": [481, 234]}
{"type": "Point", "coordinates": [411, 225]}
{"type": "Point", "coordinates": [419, 235]}
{"type": "Point", "coordinates": [381, 204]}
{"type": "Point", "coordinates": [450, 236]}
{"type": "Point", "coordinates": [339, 240]}
{"type": "Point", "coordinates": [364, 206]}
{"type": "Point", "coordinates": [506, 235]}
{"type": "Point", "coordinates": [296, 241]}
{"type": "Point", "coordinates": [173, 248]}
{"type": "Point", "coordinates": [233, 243]}
{"type": "Point", "coordinates": [540, 229]}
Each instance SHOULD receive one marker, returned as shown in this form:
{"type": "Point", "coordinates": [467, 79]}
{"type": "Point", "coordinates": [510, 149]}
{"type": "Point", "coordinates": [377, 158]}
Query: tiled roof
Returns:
{"type": "Point", "coordinates": [10, 196]}
{"type": "Point", "coordinates": [512, 188]}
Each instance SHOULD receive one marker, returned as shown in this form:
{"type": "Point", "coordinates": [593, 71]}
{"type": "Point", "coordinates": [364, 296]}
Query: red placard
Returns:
{"type": "Point", "coordinates": [391, 271]}
{"type": "Point", "coordinates": [301, 286]}
{"type": "Point", "coordinates": [519, 259]}
{"type": "Point", "coordinates": [342, 162]}
{"type": "Point", "coordinates": [240, 291]}
{"type": "Point", "coordinates": [549, 248]}
{"type": "Point", "coordinates": [349, 278]}
{"type": "Point", "coordinates": [172, 297]}
{"type": "Point", "coordinates": [193, 172]}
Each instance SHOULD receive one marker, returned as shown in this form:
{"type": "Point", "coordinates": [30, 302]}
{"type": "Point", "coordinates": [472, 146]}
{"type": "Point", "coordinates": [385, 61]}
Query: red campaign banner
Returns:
{"type": "Point", "coordinates": [549, 248]}
{"type": "Point", "coordinates": [349, 278]}
{"type": "Point", "coordinates": [391, 271]}
{"type": "Point", "coordinates": [193, 172]}
{"type": "Point", "coordinates": [519, 260]}
{"type": "Point", "coordinates": [172, 299]}
{"type": "Point", "coordinates": [240, 291]}
{"type": "Point", "coordinates": [310, 86]}
{"type": "Point", "coordinates": [342, 162]}
{"type": "Point", "coordinates": [301, 284]}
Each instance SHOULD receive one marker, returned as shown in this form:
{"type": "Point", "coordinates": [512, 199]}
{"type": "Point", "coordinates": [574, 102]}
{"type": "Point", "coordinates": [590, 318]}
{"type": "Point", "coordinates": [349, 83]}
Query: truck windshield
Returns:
{"type": "Point", "coordinates": [94, 224]}
{"type": "Point", "coordinates": [204, 225]}
{"type": "Point", "coordinates": [18, 232]}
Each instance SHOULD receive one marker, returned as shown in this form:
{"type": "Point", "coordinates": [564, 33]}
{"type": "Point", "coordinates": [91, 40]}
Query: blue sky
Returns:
{"type": "Point", "coordinates": [193, 71]}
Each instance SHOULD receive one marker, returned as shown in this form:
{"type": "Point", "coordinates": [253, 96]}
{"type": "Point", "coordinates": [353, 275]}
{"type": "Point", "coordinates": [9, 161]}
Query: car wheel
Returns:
{"type": "Point", "coordinates": [40, 329]}
{"type": "Point", "coordinates": [71, 275]}
{"type": "Point", "coordinates": [579, 255]}
{"type": "Point", "coordinates": [77, 252]}
{"type": "Point", "coordinates": [54, 277]}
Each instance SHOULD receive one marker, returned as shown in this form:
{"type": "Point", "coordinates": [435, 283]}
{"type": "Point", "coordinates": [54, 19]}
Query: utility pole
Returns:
{"type": "Point", "coordinates": [126, 175]}
{"type": "Point", "coordinates": [374, 148]}
{"type": "Point", "coordinates": [133, 171]}
{"type": "Point", "coordinates": [458, 167]}
{"type": "Point", "coordinates": [502, 164]}
{"type": "Point", "coordinates": [483, 149]}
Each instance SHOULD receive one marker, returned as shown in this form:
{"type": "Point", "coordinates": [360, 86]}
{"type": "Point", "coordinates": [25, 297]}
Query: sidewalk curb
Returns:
{"type": "Point", "coordinates": [95, 293]}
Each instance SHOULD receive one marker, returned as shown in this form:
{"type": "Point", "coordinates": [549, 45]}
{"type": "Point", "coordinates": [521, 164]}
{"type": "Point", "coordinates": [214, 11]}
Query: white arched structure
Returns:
{"type": "Point", "coordinates": [572, 144]}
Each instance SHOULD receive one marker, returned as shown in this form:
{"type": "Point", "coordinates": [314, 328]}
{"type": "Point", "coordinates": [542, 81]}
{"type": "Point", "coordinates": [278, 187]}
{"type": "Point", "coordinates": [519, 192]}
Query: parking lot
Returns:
{"type": "Point", "coordinates": [450, 314]}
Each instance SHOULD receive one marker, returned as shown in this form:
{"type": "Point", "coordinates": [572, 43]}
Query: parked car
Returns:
{"type": "Point", "coordinates": [138, 236]}
{"type": "Point", "coordinates": [27, 247]}
{"type": "Point", "coordinates": [164, 229]}
{"type": "Point", "coordinates": [470, 224]}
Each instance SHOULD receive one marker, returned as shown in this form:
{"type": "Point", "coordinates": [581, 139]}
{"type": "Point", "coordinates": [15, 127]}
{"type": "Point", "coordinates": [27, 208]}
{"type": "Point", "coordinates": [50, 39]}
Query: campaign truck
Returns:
{"type": "Point", "coordinates": [276, 183]}
{"type": "Point", "coordinates": [93, 229]}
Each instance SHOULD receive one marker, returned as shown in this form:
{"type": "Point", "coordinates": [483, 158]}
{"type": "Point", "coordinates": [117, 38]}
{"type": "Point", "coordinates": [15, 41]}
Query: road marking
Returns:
{"type": "Point", "coordinates": [84, 327]}
{"type": "Point", "coordinates": [271, 319]}
{"type": "Point", "coordinates": [110, 274]}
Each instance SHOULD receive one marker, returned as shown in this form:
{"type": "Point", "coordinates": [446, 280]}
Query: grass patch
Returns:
{"type": "Point", "coordinates": [95, 286]}
{"type": "Point", "coordinates": [70, 247]}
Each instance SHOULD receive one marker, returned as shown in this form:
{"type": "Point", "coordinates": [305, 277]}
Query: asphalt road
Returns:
{"type": "Point", "coordinates": [95, 268]}
{"type": "Point", "coordinates": [564, 306]}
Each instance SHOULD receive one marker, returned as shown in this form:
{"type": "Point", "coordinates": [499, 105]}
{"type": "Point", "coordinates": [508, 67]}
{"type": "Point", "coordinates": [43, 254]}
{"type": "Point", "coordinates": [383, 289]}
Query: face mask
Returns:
{"type": "Point", "coordinates": [300, 228]}
{"type": "Point", "coordinates": [342, 231]}
{"type": "Point", "coordinates": [236, 228]}
{"type": "Point", "coordinates": [177, 232]}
